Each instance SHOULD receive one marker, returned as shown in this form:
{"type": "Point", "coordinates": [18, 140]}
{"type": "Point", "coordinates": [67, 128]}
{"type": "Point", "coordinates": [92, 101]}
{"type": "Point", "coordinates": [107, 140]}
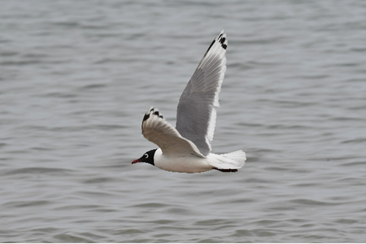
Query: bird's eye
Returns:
{"type": "Point", "coordinates": [146, 155]}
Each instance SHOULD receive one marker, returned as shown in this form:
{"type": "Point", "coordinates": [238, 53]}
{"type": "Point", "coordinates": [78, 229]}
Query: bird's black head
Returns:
{"type": "Point", "coordinates": [148, 157]}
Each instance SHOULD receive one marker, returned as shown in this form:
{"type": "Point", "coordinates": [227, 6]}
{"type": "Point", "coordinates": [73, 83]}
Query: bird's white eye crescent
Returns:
{"type": "Point", "coordinates": [146, 155]}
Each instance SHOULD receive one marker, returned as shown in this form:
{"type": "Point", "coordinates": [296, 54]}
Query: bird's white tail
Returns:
{"type": "Point", "coordinates": [229, 161]}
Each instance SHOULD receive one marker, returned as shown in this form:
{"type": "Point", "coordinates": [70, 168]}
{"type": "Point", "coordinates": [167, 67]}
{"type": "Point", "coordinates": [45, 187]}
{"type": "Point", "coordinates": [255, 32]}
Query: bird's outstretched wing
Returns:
{"type": "Point", "coordinates": [157, 130]}
{"type": "Point", "coordinates": [196, 115]}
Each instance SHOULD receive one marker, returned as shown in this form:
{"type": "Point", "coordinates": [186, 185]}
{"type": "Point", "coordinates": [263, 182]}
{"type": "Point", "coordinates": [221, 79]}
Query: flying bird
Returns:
{"type": "Point", "coordinates": [187, 147]}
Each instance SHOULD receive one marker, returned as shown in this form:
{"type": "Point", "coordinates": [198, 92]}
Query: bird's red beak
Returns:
{"type": "Point", "coordinates": [135, 161]}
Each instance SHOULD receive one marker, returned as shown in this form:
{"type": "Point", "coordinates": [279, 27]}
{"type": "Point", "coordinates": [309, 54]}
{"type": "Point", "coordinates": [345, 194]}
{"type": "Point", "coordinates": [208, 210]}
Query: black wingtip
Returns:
{"type": "Point", "coordinates": [158, 114]}
{"type": "Point", "coordinates": [210, 46]}
{"type": "Point", "coordinates": [221, 38]}
{"type": "Point", "coordinates": [146, 117]}
{"type": "Point", "coordinates": [152, 111]}
{"type": "Point", "coordinates": [223, 42]}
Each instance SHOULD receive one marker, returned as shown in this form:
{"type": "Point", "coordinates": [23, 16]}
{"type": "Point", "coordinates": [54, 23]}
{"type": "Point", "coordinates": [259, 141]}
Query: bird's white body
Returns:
{"type": "Point", "coordinates": [187, 164]}
{"type": "Point", "coordinates": [194, 164]}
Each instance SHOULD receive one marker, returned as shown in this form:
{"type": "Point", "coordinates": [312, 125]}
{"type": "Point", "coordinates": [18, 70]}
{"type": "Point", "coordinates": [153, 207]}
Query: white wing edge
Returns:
{"type": "Point", "coordinates": [217, 48]}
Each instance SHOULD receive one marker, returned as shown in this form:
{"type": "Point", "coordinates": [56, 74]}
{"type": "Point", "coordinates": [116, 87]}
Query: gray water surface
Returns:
{"type": "Point", "coordinates": [76, 78]}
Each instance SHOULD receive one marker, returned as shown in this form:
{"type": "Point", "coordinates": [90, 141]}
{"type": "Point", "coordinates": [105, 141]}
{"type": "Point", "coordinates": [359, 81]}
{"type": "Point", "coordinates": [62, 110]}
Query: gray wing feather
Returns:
{"type": "Point", "coordinates": [196, 115]}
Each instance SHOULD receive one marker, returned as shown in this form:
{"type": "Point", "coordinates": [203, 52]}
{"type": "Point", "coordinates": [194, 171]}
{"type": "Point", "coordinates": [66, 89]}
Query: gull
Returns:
{"type": "Point", "coordinates": [187, 148]}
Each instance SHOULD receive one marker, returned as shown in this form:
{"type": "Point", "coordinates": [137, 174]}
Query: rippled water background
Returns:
{"type": "Point", "coordinates": [76, 78]}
